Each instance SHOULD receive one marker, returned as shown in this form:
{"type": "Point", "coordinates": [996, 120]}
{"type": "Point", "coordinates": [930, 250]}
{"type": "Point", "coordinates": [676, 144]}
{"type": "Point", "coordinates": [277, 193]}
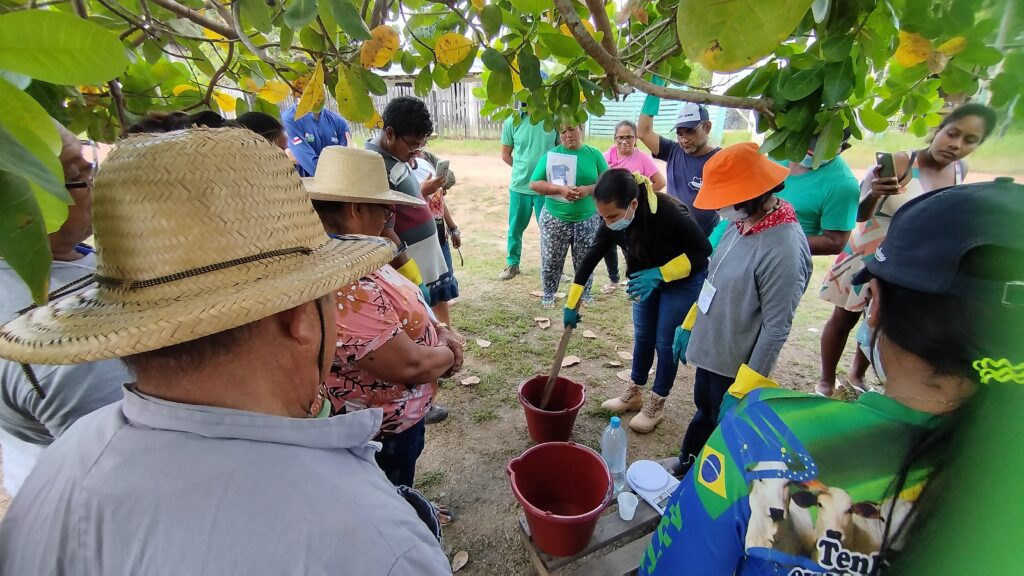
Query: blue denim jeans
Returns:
{"type": "Point", "coordinates": [399, 452]}
{"type": "Point", "coordinates": [654, 328]}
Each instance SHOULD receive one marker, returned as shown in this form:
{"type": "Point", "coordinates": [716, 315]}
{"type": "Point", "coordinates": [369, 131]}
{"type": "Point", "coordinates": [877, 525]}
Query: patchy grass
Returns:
{"type": "Point", "coordinates": [429, 479]}
{"type": "Point", "coordinates": [485, 415]}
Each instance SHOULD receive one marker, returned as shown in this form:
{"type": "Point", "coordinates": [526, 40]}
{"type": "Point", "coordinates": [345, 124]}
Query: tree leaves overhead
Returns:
{"type": "Point", "coordinates": [299, 13]}
{"type": "Point", "coordinates": [378, 50]}
{"type": "Point", "coordinates": [348, 19]}
{"type": "Point", "coordinates": [59, 48]}
{"type": "Point", "coordinates": [24, 243]}
{"type": "Point", "coordinates": [727, 36]}
{"type": "Point", "coordinates": [353, 98]}
{"type": "Point", "coordinates": [838, 82]}
{"type": "Point", "coordinates": [452, 48]}
{"type": "Point", "coordinates": [913, 49]}
{"type": "Point", "coordinates": [313, 95]}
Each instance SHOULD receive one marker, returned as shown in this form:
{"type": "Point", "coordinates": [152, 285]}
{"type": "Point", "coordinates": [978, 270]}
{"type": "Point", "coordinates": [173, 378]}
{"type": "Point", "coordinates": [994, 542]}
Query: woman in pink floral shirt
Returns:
{"type": "Point", "coordinates": [391, 350]}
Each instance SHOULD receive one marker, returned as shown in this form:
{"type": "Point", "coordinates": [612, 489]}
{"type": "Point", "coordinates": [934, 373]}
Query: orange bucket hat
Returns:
{"type": "Point", "coordinates": [736, 174]}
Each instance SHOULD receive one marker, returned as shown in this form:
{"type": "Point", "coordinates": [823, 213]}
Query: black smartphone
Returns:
{"type": "Point", "coordinates": [887, 169]}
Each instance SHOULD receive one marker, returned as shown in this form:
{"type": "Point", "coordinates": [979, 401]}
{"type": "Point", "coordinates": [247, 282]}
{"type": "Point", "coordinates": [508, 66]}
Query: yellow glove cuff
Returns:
{"type": "Point", "coordinates": [676, 269]}
{"type": "Point", "coordinates": [747, 380]}
{"type": "Point", "coordinates": [575, 292]}
{"type": "Point", "coordinates": [411, 271]}
{"type": "Point", "coordinates": [691, 318]}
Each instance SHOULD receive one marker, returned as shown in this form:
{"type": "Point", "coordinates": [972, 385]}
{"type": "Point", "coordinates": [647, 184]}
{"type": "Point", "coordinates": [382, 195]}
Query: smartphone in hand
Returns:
{"type": "Point", "coordinates": [887, 169]}
{"type": "Point", "coordinates": [441, 168]}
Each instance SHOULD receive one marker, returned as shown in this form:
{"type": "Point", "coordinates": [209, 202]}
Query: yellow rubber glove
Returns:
{"type": "Point", "coordinates": [676, 268]}
{"type": "Point", "coordinates": [411, 271]}
{"type": "Point", "coordinates": [573, 299]}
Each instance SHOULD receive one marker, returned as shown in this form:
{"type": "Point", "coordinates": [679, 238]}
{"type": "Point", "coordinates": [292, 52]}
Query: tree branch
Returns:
{"type": "Point", "coordinates": [362, 11]}
{"type": "Point", "coordinates": [118, 98]}
{"type": "Point", "coordinates": [236, 21]}
{"type": "Point", "coordinates": [613, 66]}
{"type": "Point", "coordinates": [213, 80]}
{"type": "Point", "coordinates": [190, 14]}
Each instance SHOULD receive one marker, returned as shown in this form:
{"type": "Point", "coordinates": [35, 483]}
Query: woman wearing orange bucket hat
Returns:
{"type": "Point", "coordinates": [755, 280]}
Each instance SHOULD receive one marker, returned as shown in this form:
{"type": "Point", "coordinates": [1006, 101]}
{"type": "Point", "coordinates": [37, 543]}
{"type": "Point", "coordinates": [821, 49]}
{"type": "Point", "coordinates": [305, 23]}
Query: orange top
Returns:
{"type": "Point", "coordinates": [736, 174]}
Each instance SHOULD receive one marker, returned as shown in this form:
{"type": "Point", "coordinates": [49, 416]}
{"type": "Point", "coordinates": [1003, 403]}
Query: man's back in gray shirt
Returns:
{"type": "Point", "coordinates": [148, 486]}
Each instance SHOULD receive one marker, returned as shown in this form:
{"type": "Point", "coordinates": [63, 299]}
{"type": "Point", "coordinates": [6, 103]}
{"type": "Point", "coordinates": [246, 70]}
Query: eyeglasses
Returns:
{"type": "Point", "coordinates": [414, 149]}
{"type": "Point", "coordinates": [625, 138]}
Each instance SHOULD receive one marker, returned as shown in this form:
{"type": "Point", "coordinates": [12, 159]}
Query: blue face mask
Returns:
{"type": "Point", "coordinates": [622, 223]}
{"type": "Point", "coordinates": [808, 162]}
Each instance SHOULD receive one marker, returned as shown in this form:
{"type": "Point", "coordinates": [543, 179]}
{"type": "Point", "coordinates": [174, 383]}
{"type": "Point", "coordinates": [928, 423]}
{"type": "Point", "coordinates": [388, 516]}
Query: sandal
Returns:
{"type": "Point", "coordinates": [444, 515]}
{"type": "Point", "coordinates": [610, 287]}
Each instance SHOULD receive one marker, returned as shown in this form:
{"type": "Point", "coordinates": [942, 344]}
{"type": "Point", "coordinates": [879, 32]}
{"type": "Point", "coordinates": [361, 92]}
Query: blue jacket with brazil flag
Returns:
{"type": "Point", "coordinates": [792, 484]}
{"type": "Point", "coordinates": [309, 135]}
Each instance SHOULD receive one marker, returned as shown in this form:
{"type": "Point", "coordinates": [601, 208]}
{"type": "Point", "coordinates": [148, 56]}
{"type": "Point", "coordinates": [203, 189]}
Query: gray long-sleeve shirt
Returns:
{"type": "Point", "coordinates": [146, 486]}
{"type": "Point", "coordinates": [759, 282]}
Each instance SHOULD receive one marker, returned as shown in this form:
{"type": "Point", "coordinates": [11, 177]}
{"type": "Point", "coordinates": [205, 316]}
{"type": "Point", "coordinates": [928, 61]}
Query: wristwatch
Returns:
{"type": "Point", "coordinates": [454, 231]}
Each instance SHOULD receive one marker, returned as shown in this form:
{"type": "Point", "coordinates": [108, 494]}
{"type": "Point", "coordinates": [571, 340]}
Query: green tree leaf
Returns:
{"type": "Point", "coordinates": [424, 82]}
{"type": "Point", "coordinates": [408, 63]}
{"type": "Point", "coordinates": [59, 48]}
{"type": "Point", "coordinates": [494, 60]}
{"type": "Point", "coordinates": [19, 160]}
{"type": "Point", "coordinates": [299, 13]}
{"type": "Point", "coordinates": [531, 7]}
{"type": "Point", "coordinates": [459, 70]}
{"type": "Point", "coordinates": [774, 141]}
{"type": "Point", "coordinates": [561, 45]}
{"type": "Point", "coordinates": [348, 19]}
{"type": "Point", "coordinates": [23, 240]}
{"type": "Point", "coordinates": [352, 95]}
{"type": "Point", "coordinates": [374, 83]}
{"type": "Point", "coordinates": [838, 82]}
{"type": "Point", "coordinates": [499, 87]}
{"type": "Point", "coordinates": [829, 139]}
{"type": "Point", "coordinates": [440, 77]}
{"type": "Point", "coordinates": [257, 14]}
{"type": "Point", "coordinates": [490, 19]}
{"type": "Point", "coordinates": [977, 54]}
{"type": "Point", "coordinates": [727, 36]}
{"type": "Point", "coordinates": [873, 120]}
{"type": "Point", "coordinates": [837, 49]}
{"type": "Point", "coordinates": [803, 83]}
{"type": "Point", "coordinates": [287, 37]}
{"type": "Point", "coordinates": [311, 38]}
{"type": "Point", "coordinates": [919, 127]}
{"type": "Point", "coordinates": [529, 69]}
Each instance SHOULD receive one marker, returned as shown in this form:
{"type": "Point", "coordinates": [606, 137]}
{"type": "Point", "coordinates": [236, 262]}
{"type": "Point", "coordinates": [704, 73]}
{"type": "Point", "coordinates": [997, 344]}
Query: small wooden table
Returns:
{"type": "Point", "coordinates": [610, 531]}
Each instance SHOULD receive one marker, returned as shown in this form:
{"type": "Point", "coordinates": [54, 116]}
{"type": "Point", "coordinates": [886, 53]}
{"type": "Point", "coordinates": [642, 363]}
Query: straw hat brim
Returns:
{"type": "Point", "coordinates": [325, 194]}
{"type": "Point", "coordinates": [110, 322]}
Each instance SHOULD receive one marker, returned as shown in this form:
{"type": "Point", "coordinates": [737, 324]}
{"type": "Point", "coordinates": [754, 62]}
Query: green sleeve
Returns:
{"type": "Point", "coordinates": [507, 131]}
{"type": "Point", "coordinates": [839, 211]}
{"type": "Point", "coordinates": [540, 171]}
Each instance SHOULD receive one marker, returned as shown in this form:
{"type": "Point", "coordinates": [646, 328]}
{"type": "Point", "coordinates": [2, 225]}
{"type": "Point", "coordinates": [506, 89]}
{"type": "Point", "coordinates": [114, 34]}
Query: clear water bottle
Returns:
{"type": "Point", "coordinates": [613, 450]}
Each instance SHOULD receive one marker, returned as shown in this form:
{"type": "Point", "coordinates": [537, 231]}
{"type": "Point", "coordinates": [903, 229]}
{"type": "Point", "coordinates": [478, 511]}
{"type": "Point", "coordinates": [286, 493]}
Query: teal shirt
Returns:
{"type": "Point", "coordinates": [590, 164]}
{"type": "Point", "coordinates": [824, 199]}
{"type": "Point", "coordinates": [529, 142]}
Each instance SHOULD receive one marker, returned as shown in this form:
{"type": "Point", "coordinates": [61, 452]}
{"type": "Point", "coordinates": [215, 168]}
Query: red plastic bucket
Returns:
{"type": "Point", "coordinates": [554, 424]}
{"type": "Point", "coordinates": [563, 488]}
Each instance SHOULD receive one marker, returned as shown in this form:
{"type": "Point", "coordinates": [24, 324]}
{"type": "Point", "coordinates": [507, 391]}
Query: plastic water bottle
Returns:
{"type": "Point", "coordinates": [613, 450]}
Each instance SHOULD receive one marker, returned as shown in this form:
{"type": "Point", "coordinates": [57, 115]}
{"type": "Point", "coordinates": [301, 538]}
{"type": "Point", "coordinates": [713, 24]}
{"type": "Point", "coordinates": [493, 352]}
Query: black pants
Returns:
{"type": "Point", "coordinates": [611, 260]}
{"type": "Point", "coordinates": [399, 452]}
{"type": "Point", "coordinates": [708, 390]}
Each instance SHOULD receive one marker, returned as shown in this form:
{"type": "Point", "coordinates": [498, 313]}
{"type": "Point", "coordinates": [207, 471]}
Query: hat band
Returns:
{"type": "Point", "coordinates": [132, 284]}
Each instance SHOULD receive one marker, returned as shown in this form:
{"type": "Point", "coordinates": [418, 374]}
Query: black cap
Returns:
{"type": "Point", "coordinates": [930, 237]}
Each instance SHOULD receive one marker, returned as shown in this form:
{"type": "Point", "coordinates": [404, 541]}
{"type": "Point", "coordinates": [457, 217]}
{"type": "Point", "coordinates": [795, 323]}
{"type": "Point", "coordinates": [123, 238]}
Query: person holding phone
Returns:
{"type": "Point", "coordinates": [897, 179]}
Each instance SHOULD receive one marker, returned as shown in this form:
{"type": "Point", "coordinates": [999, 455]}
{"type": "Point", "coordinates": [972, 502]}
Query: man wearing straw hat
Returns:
{"type": "Point", "coordinates": [391, 349]}
{"type": "Point", "coordinates": [215, 282]}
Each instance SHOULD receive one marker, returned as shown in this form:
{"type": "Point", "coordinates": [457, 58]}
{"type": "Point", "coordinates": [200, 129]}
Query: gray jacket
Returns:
{"type": "Point", "coordinates": [147, 486]}
{"type": "Point", "coordinates": [759, 282]}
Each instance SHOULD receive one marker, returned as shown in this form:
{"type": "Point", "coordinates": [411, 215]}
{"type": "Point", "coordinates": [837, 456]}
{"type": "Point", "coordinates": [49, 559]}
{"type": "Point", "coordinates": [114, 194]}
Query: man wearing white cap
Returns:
{"type": "Point", "coordinates": [215, 282]}
{"type": "Point", "coordinates": [685, 156]}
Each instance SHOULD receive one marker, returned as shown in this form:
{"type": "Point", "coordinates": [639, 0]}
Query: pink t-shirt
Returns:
{"type": "Point", "coordinates": [636, 162]}
{"type": "Point", "coordinates": [371, 311]}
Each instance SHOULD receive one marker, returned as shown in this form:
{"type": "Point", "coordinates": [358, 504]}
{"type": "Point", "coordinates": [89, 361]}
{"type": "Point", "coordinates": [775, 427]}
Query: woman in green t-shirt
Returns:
{"type": "Point", "coordinates": [566, 175]}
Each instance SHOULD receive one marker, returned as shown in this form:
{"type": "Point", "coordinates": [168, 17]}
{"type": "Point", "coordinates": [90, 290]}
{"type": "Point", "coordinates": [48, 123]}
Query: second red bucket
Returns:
{"type": "Point", "coordinates": [554, 424]}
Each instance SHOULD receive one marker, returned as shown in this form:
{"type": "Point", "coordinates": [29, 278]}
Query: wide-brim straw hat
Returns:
{"type": "Point", "coordinates": [346, 174]}
{"type": "Point", "coordinates": [736, 174]}
{"type": "Point", "coordinates": [197, 232]}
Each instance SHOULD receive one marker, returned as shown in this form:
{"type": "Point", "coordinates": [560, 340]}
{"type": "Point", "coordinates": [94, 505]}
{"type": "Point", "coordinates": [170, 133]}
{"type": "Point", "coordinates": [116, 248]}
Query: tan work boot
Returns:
{"type": "Point", "coordinates": [651, 414]}
{"type": "Point", "coordinates": [631, 399]}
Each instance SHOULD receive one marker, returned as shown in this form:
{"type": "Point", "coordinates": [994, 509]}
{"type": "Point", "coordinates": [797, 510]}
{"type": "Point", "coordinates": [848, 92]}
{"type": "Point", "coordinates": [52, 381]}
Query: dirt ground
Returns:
{"type": "Point", "coordinates": [465, 457]}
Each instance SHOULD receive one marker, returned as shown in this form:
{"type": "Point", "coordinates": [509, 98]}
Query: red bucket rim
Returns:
{"type": "Point", "coordinates": [556, 517]}
{"type": "Point", "coordinates": [531, 406]}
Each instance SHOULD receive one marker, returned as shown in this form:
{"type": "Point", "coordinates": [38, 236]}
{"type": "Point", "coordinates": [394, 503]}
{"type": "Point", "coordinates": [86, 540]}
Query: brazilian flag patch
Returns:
{"type": "Point", "coordinates": [711, 470]}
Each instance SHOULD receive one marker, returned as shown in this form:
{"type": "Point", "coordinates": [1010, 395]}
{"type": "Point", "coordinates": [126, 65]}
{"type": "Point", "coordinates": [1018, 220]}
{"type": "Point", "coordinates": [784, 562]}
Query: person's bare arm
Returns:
{"type": "Point", "coordinates": [645, 132]}
{"type": "Point", "coordinates": [830, 242]}
{"type": "Point", "coordinates": [549, 189]}
{"type": "Point", "coordinates": [453, 228]}
{"type": "Point", "coordinates": [873, 188]}
{"type": "Point", "coordinates": [402, 258]}
{"type": "Point", "coordinates": [403, 361]}
{"type": "Point", "coordinates": [659, 181]}
{"type": "Point", "coordinates": [506, 154]}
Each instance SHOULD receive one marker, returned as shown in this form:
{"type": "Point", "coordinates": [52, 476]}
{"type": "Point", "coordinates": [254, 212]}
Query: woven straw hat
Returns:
{"type": "Point", "coordinates": [197, 232]}
{"type": "Point", "coordinates": [736, 174]}
{"type": "Point", "coordinates": [354, 175]}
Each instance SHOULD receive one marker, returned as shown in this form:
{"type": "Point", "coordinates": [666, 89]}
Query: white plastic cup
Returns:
{"type": "Point", "coordinates": [627, 505]}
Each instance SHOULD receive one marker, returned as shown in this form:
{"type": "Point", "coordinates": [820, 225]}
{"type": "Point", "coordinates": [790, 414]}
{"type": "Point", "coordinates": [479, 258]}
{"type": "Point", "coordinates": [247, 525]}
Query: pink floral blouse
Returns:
{"type": "Point", "coordinates": [371, 311]}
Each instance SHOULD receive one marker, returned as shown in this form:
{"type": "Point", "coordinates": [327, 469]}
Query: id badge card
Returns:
{"type": "Point", "coordinates": [707, 294]}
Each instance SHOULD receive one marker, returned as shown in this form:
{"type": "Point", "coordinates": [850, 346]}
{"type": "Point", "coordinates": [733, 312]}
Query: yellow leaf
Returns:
{"type": "Point", "coordinates": [452, 48]}
{"type": "Point", "coordinates": [517, 82]}
{"type": "Point", "coordinates": [274, 92]}
{"type": "Point", "coordinates": [180, 88]}
{"type": "Point", "coordinates": [225, 102]}
{"type": "Point", "coordinates": [313, 95]}
{"type": "Point", "coordinates": [378, 50]}
{"type": "Point", "coordinates": [586, 24]}
{"type": "Point", "coordinates": [353, 98]}
{"type": "Point", "coordinates": [215, 36]}
{"type": "Point", "coordinates": [478, 4]}
{"type": "Point", "coordinates": [250, 85]}
{"type": "Point", "coordinates": [953, 46]}
{"type": "Point", "coordinates": [376, 122]}
{"type": "Point", "coordinates": [913, 49]}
